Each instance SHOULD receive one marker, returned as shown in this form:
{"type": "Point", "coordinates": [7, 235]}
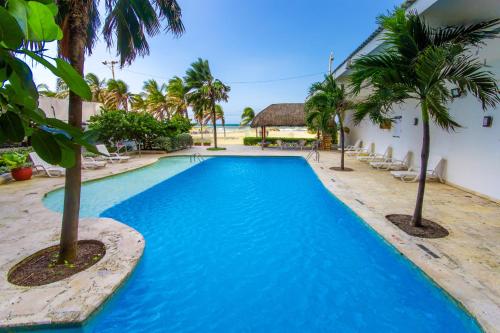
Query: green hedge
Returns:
{"type": "Point", "coordinates": [253, 141]}
{"type": "Point", "coordinates": [169, 144]}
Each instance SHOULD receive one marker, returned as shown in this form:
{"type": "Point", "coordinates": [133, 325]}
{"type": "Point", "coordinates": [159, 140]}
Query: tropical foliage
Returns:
{"type": "Point", "coordinates": [24, 27]}
{"type": "Point", "coordinates": [247, 116]}
{"type": "Point", "coordinates": [116, 125]}
{"type": "Point", "coordinates": [423, 63]}
{"type": "Point", "coordinates": [204, 91]}
{"type": "Point", "coordinates": [327, 101]}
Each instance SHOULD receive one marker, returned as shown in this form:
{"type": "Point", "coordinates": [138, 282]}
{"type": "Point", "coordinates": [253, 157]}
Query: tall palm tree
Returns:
{"type": "Point", "coordinates": [156, 99]}
{"type": "Point", "coordinates": [138, 103]}
{"type": "Point", "coordinates": [320, 118]}
{"type": "Point", "coordinates": [200, 113]}
{"type": "Point", "coordinates": [117, 95]}
{"type": "Point", "coordinates": [247, 116]}
{"type": "Point", "coordinates": [97, 87]}
{"type": "Point", "coordinates": [422, 63]}
{"type": "Point", "coordinates": [333, 99]}
{"type": "Point", "coordinates": [80, 22]}
{"type": "Point", "coordinates": [177, 96]}
{"type": "Point", "coordinates": [204, 89]}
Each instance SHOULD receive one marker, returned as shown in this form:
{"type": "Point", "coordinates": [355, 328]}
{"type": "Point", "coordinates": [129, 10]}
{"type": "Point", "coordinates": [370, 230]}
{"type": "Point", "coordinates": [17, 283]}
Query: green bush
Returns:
{"type": "Point", "coordinates": [175, 143]}
{"type": "Point", "coordinates": [253, 141]}
{"type": "Point", "coordinates": [117, 125]}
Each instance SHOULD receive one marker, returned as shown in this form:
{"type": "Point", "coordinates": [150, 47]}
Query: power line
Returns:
{"type": "Point", "coordinates": [239, 82]}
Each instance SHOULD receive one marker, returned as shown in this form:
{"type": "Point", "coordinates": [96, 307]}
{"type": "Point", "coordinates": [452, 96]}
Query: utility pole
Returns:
{"type": "Point", "coordinates": [330, 63]}
{"type": "Point", "coordinates": [111, 64]}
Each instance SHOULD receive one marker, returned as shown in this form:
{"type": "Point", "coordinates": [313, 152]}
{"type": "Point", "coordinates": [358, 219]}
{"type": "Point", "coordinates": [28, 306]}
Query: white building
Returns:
{"type": "Point", "coordinates": [472, 153]}
{"type": "Point", "coordinates": [58, 108]}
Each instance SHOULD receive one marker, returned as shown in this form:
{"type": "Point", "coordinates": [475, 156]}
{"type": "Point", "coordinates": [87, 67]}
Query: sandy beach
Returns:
{"type": "Point", "coordinates": [234, 134]}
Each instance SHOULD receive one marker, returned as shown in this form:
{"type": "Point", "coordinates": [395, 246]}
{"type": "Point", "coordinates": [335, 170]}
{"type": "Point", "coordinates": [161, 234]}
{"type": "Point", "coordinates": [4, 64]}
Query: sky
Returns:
{"type": "Point", "coordinates": [267, 51]}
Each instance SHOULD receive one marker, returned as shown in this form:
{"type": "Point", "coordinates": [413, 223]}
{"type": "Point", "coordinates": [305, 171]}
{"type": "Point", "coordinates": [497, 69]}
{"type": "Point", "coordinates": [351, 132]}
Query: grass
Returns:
{"type": "Point", "coordinates": [216, 149]}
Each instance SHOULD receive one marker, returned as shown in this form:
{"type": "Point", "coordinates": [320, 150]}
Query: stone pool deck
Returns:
{"type": "Point", "coordinates": [466, 263]}
{"type": "Point", "coordinates": [26, 226]}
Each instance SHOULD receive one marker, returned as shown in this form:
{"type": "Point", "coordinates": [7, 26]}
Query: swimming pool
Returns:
{"type": "Point", "coordinates": [237, 244]}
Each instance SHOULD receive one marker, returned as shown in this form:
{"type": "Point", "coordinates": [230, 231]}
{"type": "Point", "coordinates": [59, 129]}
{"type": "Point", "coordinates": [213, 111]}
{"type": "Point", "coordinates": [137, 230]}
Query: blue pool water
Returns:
{"type": "Point", "coordinates": [259, 245]}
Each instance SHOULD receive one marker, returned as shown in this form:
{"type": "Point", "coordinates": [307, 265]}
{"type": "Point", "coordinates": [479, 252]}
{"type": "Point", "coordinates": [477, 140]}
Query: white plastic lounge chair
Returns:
{"type": "Point", "coordinates": [41, 166]}
{"type": "Point", "coordinates": [355, 146]}
{"type": "Point", "coordinates": [393, 164]}
{"type": "Point", "coordinates": [412, 175]}
{"type": "Point", "coordinates": [91, 163]}
{"type": "Point", "coordinates": [113, 157]}
{"type": "Point", "coordinates": [280, 144]}
{"type": "Point", "coordinates": [361, 151]}
{"type": "Point", "coordinates": [374, 157]}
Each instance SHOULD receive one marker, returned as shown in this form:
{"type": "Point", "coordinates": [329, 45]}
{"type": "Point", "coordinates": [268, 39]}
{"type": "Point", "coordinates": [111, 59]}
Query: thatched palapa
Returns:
{"type": "Point", "coordinates": [283, 114]}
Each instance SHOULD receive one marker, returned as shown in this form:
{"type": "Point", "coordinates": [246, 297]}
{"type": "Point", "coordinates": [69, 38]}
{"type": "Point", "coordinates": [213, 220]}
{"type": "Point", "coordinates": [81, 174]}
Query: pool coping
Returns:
{"type": "Point", "coordinates": [73, 300]}
{"type": "Point", "coordinates": [472, 298]}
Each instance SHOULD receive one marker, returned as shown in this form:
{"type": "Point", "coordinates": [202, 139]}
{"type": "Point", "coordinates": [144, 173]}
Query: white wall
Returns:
{"type": "Point", "coordinates": [472, 153]}
{"type": "Point", "coordinates": [58, 108]}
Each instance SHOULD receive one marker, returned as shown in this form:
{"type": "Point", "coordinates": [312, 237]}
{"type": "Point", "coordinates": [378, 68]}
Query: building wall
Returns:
{"type": "Point", "coordinates": [472, 153]}
{"type": "Point", "coordinates": [58, 108]}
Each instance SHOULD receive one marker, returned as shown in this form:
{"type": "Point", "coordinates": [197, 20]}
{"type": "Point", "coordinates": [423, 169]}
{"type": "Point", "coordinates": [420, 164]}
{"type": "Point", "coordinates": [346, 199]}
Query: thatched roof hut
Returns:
{"type": "Point", "coordinates": [283, 114]}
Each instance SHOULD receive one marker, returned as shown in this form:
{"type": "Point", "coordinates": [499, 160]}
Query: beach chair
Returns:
{"type": "Point", "coordinates": [361, 151]}
{"type": "Point", "coordinates": [301, 144]}
{"type": "Point", "coordinates": [91, 163]}
{"type": "Point", "coordinates": [48, 169]}
{"type": "Point", "coordinates": [393, 164]}
{"type": "Point", "coordinates": [112, 157]}
{"type": "Point", "coordinates": [280, 144]}
{"type": "Point", "coordinates": [353, 147]}
{"type": "Point", "coordinates": [412, 175]}
{"type": "Point", "coordinates": [374, 157]}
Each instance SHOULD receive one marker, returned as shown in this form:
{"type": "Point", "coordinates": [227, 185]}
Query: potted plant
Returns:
{"type": "Point", "coordinates": [20, 168]}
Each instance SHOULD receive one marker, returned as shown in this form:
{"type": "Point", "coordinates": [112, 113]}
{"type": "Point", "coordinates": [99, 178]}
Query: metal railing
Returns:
{"type": "Point", "coordinates": [196, 157]}
{"type": "Point", "coordinates": [314, 152]}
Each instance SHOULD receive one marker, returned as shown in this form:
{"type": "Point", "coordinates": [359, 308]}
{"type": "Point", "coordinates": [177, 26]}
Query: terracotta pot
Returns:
{"type": "Point", "coordinates": [20, 174]}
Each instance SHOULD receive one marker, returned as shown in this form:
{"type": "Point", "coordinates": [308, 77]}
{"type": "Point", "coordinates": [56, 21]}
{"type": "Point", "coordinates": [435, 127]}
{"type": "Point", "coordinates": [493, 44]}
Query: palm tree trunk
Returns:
{"type": "Point", "coordinates": [214, 123]}
{"type": "Point", "coordinates": [342, 143]}
{"type": "Point", "coordinates": [224, 126]}
{"type": "Point", "coordinates": [416, 220]}
{"type": "Point", "coordinates": [78, 19]}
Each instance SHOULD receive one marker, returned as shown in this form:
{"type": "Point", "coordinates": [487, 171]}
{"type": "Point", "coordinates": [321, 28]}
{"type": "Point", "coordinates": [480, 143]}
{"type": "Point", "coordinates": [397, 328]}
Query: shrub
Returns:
{"type": "Point", "coordinates": [175, 143]}
{"type": "Point", "coordinates": [253, 141]}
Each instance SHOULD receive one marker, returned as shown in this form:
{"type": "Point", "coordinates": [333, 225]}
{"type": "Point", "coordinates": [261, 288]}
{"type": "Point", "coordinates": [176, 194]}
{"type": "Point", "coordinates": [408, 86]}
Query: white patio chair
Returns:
{"type": "Point", "coordinates": [112, 157]}
{"type": "Point", "coordinates": [393, 164]}
{"type": "Point", "coordinates": [48, 169]}
{"type": "Point", "coordinates": [374, 157]}
{"type": "Point", "coordinates": [92, 163]}
{"type": "Point", "coordinates": [434, 172]}
{"type": "Point", "coordinates": [355, 146]}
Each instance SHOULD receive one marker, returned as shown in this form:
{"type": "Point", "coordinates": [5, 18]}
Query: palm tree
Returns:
{"type": "Point", "coordinates": [200, 113]}
{"type": "Point", "coordinates": [97, 87]}
{"type": "Point", "coordinates": [117, 95]}
{"type": "Point", "coordinates": [204, 90]}
{"type": "Point", "coordinates": [333, 100]}
{"type": "Point", "coordinates": [80, 22]}
{"type": "Point", "coordinates": [62, 89]}
{"type": "Point", "coordinates": [423, 63]}
{"type": "Point", "coordinates": [156, 99]}
{"type": "Point", "coordinates": [320, 118]}
{"type": "Point", "coordinates": [177, 99]}
{"type": "Point", "coordinates": [138, 103]}
{"type": "Point", "coordinates": [219, 115]}
{"type": "Point", "coordinates": [247, 116]}
{"type": "Point", "coordinates": [44, 90]}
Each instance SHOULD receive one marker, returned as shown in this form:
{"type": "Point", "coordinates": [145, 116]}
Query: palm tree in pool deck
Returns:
{"type": "Point", "coordinates": [80, 22]}
{"type": "Point", "coordinates": [333, 99]}
{"type": "Point", "coordinates": [319, 118]}
{"type": "Point", "coordinates": [422, 63]}
{"type": "Point", "coordinates": [204, 89]}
